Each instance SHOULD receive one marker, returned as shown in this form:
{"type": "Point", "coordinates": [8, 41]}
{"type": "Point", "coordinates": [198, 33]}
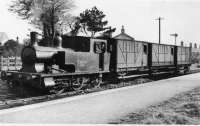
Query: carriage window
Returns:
{"type": "Point", "coordinates": [145, 49]}
{"type": "Point", "coordinates": [99, 47]}
{"type": "Point", "coordinates": [172, 51]}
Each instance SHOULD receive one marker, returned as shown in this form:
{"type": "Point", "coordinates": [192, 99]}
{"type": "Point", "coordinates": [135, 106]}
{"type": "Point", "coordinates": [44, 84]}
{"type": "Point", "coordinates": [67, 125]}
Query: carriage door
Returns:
{"type": "Point", "coordinates": [145, 54]}
{"type": "Point", "coordinates": [100, 48]}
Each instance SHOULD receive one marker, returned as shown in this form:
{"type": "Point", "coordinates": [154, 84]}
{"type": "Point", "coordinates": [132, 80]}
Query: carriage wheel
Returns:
{"type": "Point", "coordinates": [122, 75]}
{"type": "Point", "coordinates": [97, 82]}
{"type": "Point", "coordinates": [79, 84]}
{"type": "Point", "coordinates": [186, 70]}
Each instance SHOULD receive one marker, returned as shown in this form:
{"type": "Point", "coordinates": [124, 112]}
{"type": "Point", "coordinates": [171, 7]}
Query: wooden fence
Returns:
{"type": "Point", "coordinates": [10, 63]}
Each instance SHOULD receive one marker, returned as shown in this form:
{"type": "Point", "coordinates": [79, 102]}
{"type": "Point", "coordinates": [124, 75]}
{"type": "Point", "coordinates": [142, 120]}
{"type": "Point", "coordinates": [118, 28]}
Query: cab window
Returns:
{"type": "Point", "coordinates": [99, 47]}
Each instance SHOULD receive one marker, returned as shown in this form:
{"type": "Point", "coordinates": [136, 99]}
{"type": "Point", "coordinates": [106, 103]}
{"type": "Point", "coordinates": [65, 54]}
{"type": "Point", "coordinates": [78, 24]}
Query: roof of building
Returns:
{"type": "Point", "coordinates": [124, 36]}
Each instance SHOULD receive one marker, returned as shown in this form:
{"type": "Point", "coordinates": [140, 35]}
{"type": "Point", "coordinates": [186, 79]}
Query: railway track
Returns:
{"type": "Point", "coordinates": [37, 97]}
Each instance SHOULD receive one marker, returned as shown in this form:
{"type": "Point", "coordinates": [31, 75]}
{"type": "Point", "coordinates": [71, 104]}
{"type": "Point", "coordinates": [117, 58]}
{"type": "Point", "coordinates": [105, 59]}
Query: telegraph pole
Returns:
{"type": "Point", "coordinates": [175, 36]}
{"type": "Point", "coordinates": [159, 19]}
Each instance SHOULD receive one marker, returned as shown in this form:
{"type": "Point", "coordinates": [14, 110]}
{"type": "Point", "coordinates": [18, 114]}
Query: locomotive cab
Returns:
{"type": "Point", "coordinates": [89, 54]}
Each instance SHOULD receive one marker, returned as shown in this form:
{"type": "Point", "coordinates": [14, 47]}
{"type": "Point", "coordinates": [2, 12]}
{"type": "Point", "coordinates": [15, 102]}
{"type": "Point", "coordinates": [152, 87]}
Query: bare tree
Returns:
{"type": "Point", "coordinates": [67, 24]}
{"type": "Point", "coordinates": [45, 15]}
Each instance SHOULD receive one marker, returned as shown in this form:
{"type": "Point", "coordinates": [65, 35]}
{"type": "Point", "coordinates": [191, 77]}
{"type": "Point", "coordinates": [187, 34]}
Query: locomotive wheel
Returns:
{"type": "Point", "coordinates": [3, 75]}
{"type": "Point", "coordinates": [57, 91]}
{"type": "Point", "coordinates": [12, 83]}
{"type": "Point", "coordinates": [79, 84]}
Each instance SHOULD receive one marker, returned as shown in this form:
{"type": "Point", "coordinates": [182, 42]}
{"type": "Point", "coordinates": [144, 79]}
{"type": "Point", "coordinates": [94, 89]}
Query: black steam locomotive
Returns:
{"type": "Point", "coordinates": [81, 61]}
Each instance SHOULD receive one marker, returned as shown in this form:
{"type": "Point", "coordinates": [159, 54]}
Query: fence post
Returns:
{"type": "Point", "coordinates": [15, 63]}
{"type": "Point", "coordinates": [1, 63]}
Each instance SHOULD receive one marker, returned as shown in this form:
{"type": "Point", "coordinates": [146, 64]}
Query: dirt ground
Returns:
{"type": "Point", "coordinates": [182, 109]}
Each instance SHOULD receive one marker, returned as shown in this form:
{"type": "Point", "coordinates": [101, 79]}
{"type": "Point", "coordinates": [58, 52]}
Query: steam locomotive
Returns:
{"type": "Point", "coordinates": [84, 61]}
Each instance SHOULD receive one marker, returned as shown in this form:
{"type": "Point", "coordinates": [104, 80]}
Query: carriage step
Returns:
{"type": "Point", "coordinates": [131, 76]}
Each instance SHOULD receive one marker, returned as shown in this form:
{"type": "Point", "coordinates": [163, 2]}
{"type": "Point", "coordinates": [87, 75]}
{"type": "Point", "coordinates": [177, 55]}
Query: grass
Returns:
{"type": "Point", "coordinates": [182, 109]}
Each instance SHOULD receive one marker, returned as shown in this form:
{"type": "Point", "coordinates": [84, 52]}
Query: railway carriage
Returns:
{"type": "Point", "coordinates": [183, 55]}
{"type": "Point", "coordinates": [129, 55]}
{"type": "Point", "coordinates": [183, 59]}
{"type": "Point", "coordinates": [161, 57]}
{"type": "Point", "coordinates": [195, 56]}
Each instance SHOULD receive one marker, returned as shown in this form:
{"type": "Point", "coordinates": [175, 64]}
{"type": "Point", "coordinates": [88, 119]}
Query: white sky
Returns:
{"type": "Point", "coordinates": [138, 17]}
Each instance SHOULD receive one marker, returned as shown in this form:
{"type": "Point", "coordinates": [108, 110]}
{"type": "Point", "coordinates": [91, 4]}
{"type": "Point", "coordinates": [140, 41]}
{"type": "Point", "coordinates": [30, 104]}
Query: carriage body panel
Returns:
{"type": "Point", "coordinates": [131, 55]}
{"type": "Point", "coordinates": [183, 55]}
{"type": "Point", "coordinates": [162, 55]}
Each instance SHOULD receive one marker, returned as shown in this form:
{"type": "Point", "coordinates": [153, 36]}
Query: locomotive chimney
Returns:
{"type": "Point", "coordinates": [33, 38]}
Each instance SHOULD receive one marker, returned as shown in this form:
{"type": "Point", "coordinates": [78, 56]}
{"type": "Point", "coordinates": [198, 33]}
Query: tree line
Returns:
{"type": "Point", "coordinates": [54, 17]}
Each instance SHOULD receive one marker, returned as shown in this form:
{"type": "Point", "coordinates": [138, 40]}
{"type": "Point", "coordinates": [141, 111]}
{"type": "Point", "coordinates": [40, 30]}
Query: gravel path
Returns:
{"type": "Point", "coordinates": [101, 107]}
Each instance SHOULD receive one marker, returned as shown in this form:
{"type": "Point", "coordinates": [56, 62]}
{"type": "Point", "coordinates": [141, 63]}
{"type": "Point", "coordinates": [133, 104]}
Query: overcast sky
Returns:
{"type": "Point", "coordinates": [138, 17]}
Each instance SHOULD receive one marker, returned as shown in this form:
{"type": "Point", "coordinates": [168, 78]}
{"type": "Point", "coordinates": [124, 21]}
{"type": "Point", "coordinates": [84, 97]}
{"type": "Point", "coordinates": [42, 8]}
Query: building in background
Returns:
{"type": "Point", "coordinates": [124, 36]}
